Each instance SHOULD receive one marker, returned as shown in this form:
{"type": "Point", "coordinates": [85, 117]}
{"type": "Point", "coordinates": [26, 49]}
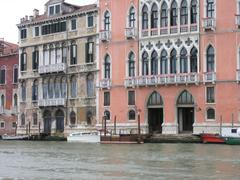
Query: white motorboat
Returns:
{"type": "Point", "coordinates": [85, 136]}
{"type": "Point", "coordinates": [230, 132]}
{"type": "Point", "coordinates": [19, 137]}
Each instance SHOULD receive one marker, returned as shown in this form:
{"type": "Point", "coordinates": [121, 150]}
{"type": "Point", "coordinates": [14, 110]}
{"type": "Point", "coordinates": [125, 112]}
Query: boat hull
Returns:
{"type": "Point", "coordinates": [232, 140]}
{"type": "Point", "coordinates": [14, 138]}
{"type": "Point", "coordinates": [84, 137]}
{"type": "Point", "coordinates": [212, 138]}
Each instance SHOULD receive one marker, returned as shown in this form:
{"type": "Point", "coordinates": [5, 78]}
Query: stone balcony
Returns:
{"type": "Point", "coordinates": [51, 102]}
{"type": "Point", "coordinates": [52, 68]}
{"type": "Point", "coordinates": [105, 35]}
{"type": "Point", "coordinates": [130, 33]}
{"type": "Point", "coordinates": [237, 19]}
{"type": "Point", "coordinates": [209, 24]}
{"type": "Point", "coordinates": [88, 101]}
{"type": "Point", "coordinates": [238, 75]}
{"type": "Point", "coordinates": [154, 80]}
{"type": "Point", "coordinates": [209, 77]}
{"type": "Point", "coordinates": [105, 83]}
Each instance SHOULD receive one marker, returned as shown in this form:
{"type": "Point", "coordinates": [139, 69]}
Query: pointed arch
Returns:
{"type": "Point", "coordinates": [173, 61]}
{"type": "Point", "coordinates": [131, 64]}
{"type": "Point", "coordinates": [164, 62]}
{"type": "Point", "coordinates": [145, 69]}
{"type": "Point", "coordinates": [145, 17]}
{"type": "Point", "coordinates": [210, 64]}
{"type": "Point", "coordinates": [154, 63]}
{"type": "Point", "coordinates": [183, 61]}
{"type": "Point", "coordinates": [184, 12]}
{"type": "Point", "coordinates": [164, 14]}
{"type": "Point", "coordinates": [193, 12]}
{"type": "Point", "coordinates": [155, 99]}
{"type": "Point", "coordinates": [107, 67]}
{"type": "Point", "coordinates": [194, 60]}
{"type": "Point", "coordinates": [173, 13]}
{"type": "Point", "coordinates": [107, 20]}
{"type": "Point", "coordinates": [132, 17]}
{"type": "Point", "coordinates": [185, 98]}
{"type": "Point", "coordinates": [154, 16]}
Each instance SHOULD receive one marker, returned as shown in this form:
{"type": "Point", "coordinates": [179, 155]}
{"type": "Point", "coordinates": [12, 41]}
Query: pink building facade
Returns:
{"type": "Point", "coordinates": [183, 75]}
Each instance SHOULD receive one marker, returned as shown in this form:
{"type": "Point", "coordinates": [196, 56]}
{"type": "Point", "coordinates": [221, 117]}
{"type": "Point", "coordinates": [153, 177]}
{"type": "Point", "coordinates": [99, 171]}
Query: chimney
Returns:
{"type": "Point", "coordinates": [26, 18]}
{"type": "Point", "coordinates": [35, 13]}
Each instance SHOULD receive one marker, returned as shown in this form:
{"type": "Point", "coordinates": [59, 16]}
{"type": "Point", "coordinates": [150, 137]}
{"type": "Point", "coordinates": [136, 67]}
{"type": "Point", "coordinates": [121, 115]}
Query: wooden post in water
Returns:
{"type": "Point", "coordinates": [115, 122]}
{"type": "Point", "coordinates": [139, 129]}
{"type": "Point", "coordinates": [105, 125]}
{"type": "Point", "coordinates": [39, 128]}
{"type": "Point", "coordinates": [220, 125]}
{"type": "Point", "coordinates": [232, 120]}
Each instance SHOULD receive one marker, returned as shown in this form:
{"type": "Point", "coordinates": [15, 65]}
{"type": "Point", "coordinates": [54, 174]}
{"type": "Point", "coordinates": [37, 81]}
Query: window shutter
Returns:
{"type": "Point", "coordinates": [34, 60]}
{"type": "Point", "coordinates": [87, 52]}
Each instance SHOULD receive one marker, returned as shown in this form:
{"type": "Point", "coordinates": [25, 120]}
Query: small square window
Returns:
{"type": "Point", "coordinates": [90, 21]}
{"type": "Point", "coordinates": [73, 24]}
{"type": "Point", "coordinates": [23, 33]}
{"type": "Point", "coordinates": [14, 125]}
{"type": "Point", "coordinates": [131, 97]}
{"type": "Point", "coordinates": [106, 98]}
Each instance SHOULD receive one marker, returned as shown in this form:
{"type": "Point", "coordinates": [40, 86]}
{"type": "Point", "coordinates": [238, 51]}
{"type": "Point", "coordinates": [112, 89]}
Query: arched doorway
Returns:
{"type": "Point", "coordinates": [185, 109]}
{"type": "Point", "coordinates": [59, 121]}
{"type": "Point", "coordinates": [47, 121]}
{"type": "Point", "coordinates": [155, 113]}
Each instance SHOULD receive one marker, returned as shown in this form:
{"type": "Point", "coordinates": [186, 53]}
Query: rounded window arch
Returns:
{"type": "Point", "coordinates": [145, 70]}
{"type": "Point", "coordinates": [183, 61]}
{"type": "Point", "coordinates": [51, 88]}
{"type": "Point", "coordinates": [154, 16]}
{"type": "Point", "coordinates": [72, 118]}
{"type": "Point", "coordinates": [210, 59]}
{"type": "Point", "coordinates": [23, 120]}
{"type": "Point", "coordinates": [35, 90]}
{"type": "Point", "coordinates": [131, 17]}
{"type": "Point", "coordinates": [63, 87]}
{"type": "Point", "coordinates": [90, 85]}
{"type": "Point", "coordinates": [164, 14]}
{"type": "Point", "coordinates": [173, 13]}
{"type": "Point", "coordinates": [193, 60]}
{"type": "Point", "coordinates": [164, 62]}
{"type": "Point", "coordinates": [107, 114]}
{"type": "Point", "coordinates": [23, 91]}
{"type": "Point", "coordinates": [131, 115]}
{"type": "Point", "coordinates": [145, 17]}
{"type": "Point", "coordinates": [57, 87]}
{"type": "Point", "coordinates": [185, 98]}
{"type": "Point", "coordinates": [107, 67]}
{"type": "Point", "coordinates": [131, 64]}
{"type": "Point", "coordinates": [154, 63]}
{"type": "Point", "coordinates": [15, 102]}
{"type": "Point", "coordinates": [2, 101]}
{"type": "Point", "coordinates": [184, 13]}
{"type": "Point", "coordinates": [210, 113]}
{"type": "Point", "coordinates": [107, 22]}
{"type": "Point", "coordinates": [173, 62]}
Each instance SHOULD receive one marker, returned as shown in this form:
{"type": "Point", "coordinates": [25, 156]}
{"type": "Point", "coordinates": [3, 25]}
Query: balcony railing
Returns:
{"type": "Point", "coordinates": [130, 33]}
{"type": "Point", "coordinates": [52, 68]}
{"type": "Point", "coordinates": [238, 75]}
{"type": "Point", "coordinates": [209, 23]}
{"type": "Point", "coordinates": [154, 32]}
{"type": "Point", "coordinates": [145, 33]}
{"type": "Point", "coordinates": [209, 77]}
{"type": "Point", "coordinates": [192, 78]}
{"type": "Point", "coordinates": [51, 102]}
{"type": "Point", "coordinates": [105, 83]}
{"type": "Point", "coordinates": [87, 67]}
{"type": "Point", "coordinates": [105, 35]}
{"type": "Point", "coordinates": [238, 20]}
{"type": "Point", "coordinates": [88, 101]}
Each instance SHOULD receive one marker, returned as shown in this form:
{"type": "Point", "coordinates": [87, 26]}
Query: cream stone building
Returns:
{"type": "Point", "coordinates": [58, 69]}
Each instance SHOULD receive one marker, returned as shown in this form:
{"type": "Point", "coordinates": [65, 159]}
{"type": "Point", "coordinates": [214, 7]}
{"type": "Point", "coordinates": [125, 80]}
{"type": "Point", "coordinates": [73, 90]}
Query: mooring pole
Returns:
{"type": "Point", "coordinates": [105, 125]}
{"type": "Point", "coordinates": [220, 125]}
{"type": "Point", "coordinates": [115, 122]}
{"type": "Point", "coordinates": [139, 128]}
{"type": "Point", "coordinates": [232, 120]}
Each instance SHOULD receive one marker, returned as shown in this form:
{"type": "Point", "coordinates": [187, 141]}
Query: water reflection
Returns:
{"type": "Point", "coordinates": [62, 160]}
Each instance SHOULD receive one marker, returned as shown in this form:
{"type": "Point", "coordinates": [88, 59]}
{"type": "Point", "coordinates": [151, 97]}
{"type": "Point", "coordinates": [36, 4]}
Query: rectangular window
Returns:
{"type": "Point", "coordinates": [90, 21]}
{"type": "Point", "coordinates": [36, 29]}
{"type": "Point", "coordinates": [210, 8]}
{"type": "Point", "coordinates": [73, 24]}
{"type": "Point", "coordinates": [106, 98]}
{"type": "Point", "coordinates": [89, 52]}
{"type": "Point", "coordinates": [35, 58]}
{"type": "Point", "coordinates": [2, 76]}
{"type": "Point", "coordinates": [15, 75]}
{"type": "Point", "coordinates": [57, 10]}
{"type": "Point", "coordinates": [51, 10]}
{"type": "Point", "coordinates": [23, 59]}
{"type": "Point", "coordinates": [23, 33]}
{"type": "Point", "coordinates": [73, 52]}
{"type": "Point", "coordinates": [54, 28]}
{"type": "Point", "coordinates": [210, 95]}
{"type": "Point", "coordinates": [2, 125]}
{"type": "Point", "coordinates": [131, 97]}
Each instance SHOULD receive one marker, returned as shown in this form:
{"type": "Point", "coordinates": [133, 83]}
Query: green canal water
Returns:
{"type": "Point", "coordinates": [62, 160]}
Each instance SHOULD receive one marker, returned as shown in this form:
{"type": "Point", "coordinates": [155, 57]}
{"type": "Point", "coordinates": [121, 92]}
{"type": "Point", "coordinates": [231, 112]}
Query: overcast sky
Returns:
{"type": "Point", "coordinates": [12, 10]}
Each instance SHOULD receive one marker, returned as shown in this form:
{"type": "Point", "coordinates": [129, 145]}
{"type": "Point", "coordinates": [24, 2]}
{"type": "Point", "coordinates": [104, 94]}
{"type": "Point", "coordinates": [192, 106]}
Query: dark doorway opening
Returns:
{"type": "Point", "coordinates": [185, 119]}
{"type": "Point", "coordinates": [47, 120]}
{"type": "Point", "coordinates": [155, 120]}
{"type": "Point", "coordinates": [59, 121]}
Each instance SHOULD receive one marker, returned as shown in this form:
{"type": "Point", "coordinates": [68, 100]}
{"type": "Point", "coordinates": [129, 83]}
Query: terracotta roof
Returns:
{"type": "Point", "coordinates": [7, 48]}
